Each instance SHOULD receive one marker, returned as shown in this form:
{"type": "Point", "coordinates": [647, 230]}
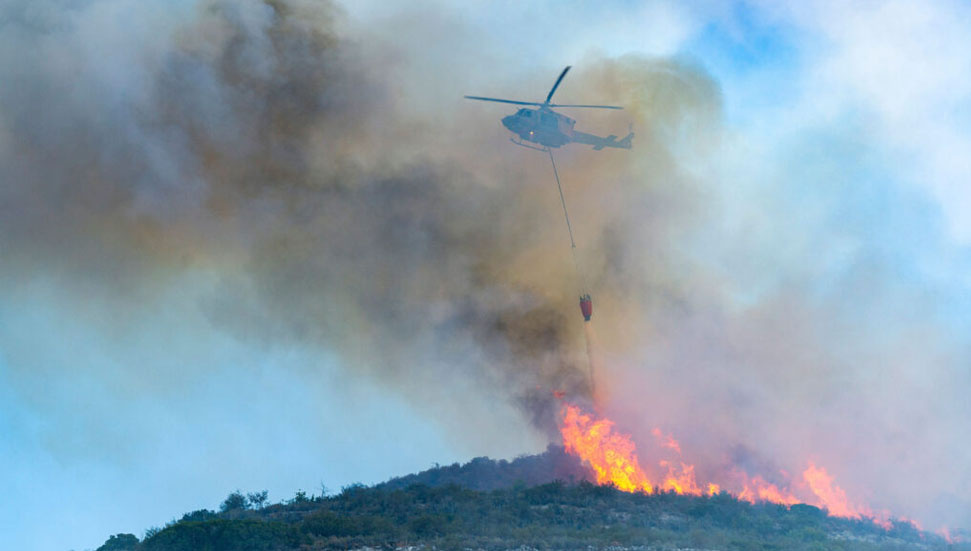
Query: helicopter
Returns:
{"type": "Point", "coordinates": [550, 129]}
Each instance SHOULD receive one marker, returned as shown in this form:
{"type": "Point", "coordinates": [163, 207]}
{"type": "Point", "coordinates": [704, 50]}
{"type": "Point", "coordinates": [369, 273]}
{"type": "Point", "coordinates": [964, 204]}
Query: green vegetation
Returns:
{"type": "Point", "coordinates": [549, 516]}
{"type": "Point", "coordinates": [120, 542]}
{"type": "Point", "coordinates": [520, 504]}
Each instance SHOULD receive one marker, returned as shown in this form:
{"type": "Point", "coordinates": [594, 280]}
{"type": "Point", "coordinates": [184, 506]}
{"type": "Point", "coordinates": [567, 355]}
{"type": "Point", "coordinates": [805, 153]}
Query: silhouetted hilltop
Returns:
{"type": "Point", "coordinates": [539, 502]}
{"type": "Point", "coordinates": [486, 474]}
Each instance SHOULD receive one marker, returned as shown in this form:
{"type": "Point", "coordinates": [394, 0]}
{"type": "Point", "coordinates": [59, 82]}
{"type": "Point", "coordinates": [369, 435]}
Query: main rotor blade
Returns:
{"type": "Point", "coordinates": [480, 98]}
{"type": "Point", "coordinates": [591, 106]}
{"type": "Point", "coordinates": [558, 81]}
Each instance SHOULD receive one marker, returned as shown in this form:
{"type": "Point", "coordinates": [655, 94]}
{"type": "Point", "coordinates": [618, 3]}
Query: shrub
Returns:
{"type": "Point", "coordinates": [120, 542]}
{"type": "Point", "coordinates": [234, 502]}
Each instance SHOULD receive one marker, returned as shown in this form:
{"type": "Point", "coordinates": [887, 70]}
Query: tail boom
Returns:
{"type": "Point", "coordinates": [599, 143]}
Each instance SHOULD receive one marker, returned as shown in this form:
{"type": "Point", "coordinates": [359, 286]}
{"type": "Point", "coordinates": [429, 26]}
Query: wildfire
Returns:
{"type": "Point", "coordinates": [758, 489]}
{"type": "Point", "coordinates": [613, 457]}
{"type": "Point", "coordinates": [831, 496]}
{"type": "Point", "coordinates": [680, 478]}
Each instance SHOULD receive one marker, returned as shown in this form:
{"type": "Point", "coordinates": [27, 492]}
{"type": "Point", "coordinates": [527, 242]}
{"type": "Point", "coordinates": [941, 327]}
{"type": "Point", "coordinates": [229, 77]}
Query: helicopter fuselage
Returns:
{"type": "Point", "coordinates": [548, 128]}
{"type": "Point", "coordinates": [541, 125]}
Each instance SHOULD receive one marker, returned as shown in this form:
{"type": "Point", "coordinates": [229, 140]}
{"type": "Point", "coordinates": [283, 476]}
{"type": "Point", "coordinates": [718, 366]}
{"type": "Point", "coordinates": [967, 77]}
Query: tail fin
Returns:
{"type": "Point", "coordinates": [625, 143]}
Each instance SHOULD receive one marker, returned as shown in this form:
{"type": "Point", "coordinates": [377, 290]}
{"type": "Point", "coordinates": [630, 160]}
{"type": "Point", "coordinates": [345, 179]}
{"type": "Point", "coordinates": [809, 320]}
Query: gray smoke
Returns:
{"type": "Point", "coordinates": [250, 140]}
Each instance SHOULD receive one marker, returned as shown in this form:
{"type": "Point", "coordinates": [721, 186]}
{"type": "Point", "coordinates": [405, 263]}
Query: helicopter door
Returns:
{"type": "Point", "coordinates": [547, 120]}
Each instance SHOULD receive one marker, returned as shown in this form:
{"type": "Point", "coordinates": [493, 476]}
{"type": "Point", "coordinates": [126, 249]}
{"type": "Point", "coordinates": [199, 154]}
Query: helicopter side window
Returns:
{"type": "Point", "coordinates": [527, 113]}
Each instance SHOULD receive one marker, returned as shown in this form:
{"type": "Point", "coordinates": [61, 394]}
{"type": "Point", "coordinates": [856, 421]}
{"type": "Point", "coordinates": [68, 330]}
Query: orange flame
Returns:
{"type": "Point", "coordinates": [613, 458]}
{"type": "Point", "coordinates": [611, 455]}
{"type": "Point", "coordinates": [680, 478]}
{"type": "Point", "coordinates": [667, 440]}
{"type": "Point", "coordinates": [831, 496]}
{"type": "Point", "coordinates": [758, 489]}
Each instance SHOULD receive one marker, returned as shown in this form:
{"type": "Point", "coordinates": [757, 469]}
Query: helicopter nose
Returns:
{"type": "Point", "coordinates": [508, 121]}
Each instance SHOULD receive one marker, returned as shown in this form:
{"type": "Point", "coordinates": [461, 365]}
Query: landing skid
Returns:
{"type": "Point", "coordinates": [527, 146]}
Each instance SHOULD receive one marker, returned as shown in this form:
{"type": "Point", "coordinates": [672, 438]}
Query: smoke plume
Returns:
{"type": "Point", "coordinates": [252, 141]}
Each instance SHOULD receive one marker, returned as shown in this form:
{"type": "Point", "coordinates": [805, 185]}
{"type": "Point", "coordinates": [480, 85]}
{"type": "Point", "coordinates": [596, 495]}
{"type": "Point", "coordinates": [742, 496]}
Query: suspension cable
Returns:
{"type": "Point", "coordinates": [569, 227]}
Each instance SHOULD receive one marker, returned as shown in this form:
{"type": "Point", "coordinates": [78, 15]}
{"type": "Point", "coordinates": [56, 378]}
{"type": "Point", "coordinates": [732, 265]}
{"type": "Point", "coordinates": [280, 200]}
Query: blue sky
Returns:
{"type": "Point", "coordinates": [844, 140]}
{"type": "Point", "coordinates": [126, 437]}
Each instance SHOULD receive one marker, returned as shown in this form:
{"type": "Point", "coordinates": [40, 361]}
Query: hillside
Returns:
{"type": "Point", "coordinates": [498, 505]}
{"type": "Point", "coordinates": [486, 474]}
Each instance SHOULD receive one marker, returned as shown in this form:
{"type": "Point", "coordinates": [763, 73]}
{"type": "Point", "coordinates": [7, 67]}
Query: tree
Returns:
{"type": "Point", "coordinates": [120, 542]}
{"type": "Point", "coordinates": [198, 516]}
{"type": "Point", "coordinates": [234, 502]}
{"type": "Point", "coordinates": [258, 499]}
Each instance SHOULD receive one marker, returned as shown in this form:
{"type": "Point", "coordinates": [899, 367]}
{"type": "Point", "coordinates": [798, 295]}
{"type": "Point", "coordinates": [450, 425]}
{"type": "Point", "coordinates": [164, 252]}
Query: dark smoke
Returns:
{"type": "Point", "coordinates": [254, 141]}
